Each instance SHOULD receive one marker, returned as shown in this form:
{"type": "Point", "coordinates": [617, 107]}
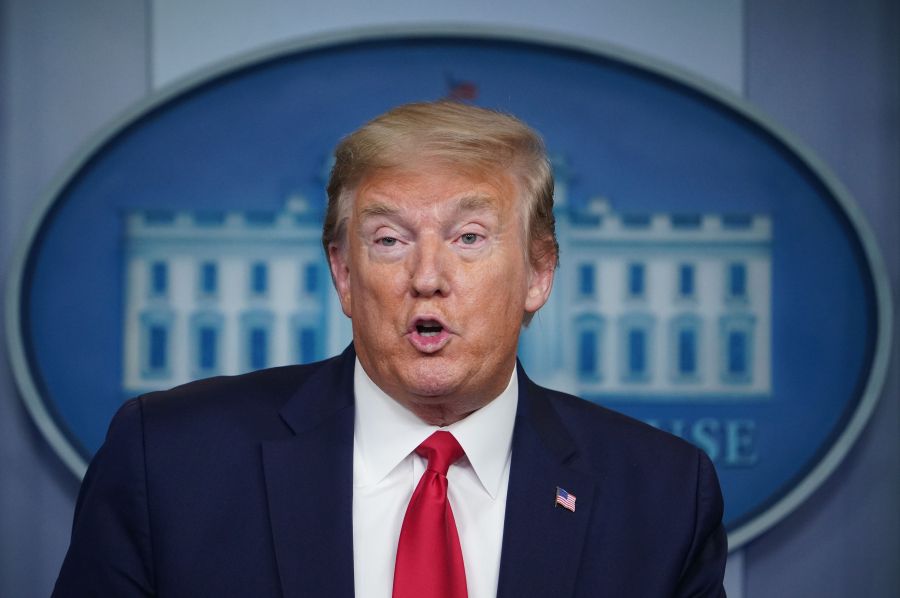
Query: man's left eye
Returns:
{"type": "Point", "coordinates": [468, 238]}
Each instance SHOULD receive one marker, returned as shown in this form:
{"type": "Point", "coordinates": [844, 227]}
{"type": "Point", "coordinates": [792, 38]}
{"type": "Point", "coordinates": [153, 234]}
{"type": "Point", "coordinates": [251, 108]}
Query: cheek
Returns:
{"type": "Point", "coordinates": [495, 293]}
{"type": "Point", "coordinates": [376, 289]}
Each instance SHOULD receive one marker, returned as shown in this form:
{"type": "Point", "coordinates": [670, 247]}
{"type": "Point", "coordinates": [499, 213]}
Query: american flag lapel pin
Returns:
{"type": "Point", "coordinates": [564, 499]}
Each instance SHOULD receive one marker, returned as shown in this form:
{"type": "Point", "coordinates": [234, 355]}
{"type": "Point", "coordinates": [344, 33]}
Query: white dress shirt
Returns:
{"type": "Point", "coordinates": [386, 470]}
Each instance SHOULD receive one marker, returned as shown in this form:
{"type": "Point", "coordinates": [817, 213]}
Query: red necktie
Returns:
{"type": "Point", "coordinates": [429, 558]}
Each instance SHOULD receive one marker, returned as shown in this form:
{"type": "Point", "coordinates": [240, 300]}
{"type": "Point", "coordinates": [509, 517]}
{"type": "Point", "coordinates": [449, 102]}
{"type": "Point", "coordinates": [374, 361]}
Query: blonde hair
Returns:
{"type": "Point", "coordinates": [485, 141]}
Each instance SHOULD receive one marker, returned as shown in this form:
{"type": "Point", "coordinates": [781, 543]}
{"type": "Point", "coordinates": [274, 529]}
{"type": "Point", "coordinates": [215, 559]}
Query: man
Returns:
{"type": "Point", "coordinates": [422, 461]}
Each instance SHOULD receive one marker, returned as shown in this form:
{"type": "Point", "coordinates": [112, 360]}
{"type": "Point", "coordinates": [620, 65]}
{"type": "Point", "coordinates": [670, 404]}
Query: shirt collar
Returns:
{"type": "Point", "coordinates": [385, 432]}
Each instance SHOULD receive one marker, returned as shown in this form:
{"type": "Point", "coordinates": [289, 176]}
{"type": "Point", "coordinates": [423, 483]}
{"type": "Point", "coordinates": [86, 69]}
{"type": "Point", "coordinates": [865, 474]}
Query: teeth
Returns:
{"type": "Point", "coordinates": [429, 330]}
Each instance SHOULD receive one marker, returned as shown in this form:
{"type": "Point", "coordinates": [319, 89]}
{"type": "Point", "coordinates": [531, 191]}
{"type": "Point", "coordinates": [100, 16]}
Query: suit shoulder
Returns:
{"type": "Point", "coordinates": [599, 428]}
{"type": "Point", "coordinates": [249, 401]}
{"type": "Point", "coordinates": [269, 386]}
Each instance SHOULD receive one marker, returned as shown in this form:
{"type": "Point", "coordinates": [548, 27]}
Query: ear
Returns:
{"type": "Point", "coordinates": [540, 282]}
{"type": "Point", "coordinates": [340, 275]}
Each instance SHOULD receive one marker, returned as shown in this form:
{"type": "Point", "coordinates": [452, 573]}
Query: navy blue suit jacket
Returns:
{"type": "Point", "coordinates": [243, 487]}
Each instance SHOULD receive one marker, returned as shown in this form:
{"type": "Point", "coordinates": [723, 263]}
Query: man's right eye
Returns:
{"type": "Point", "coordinates": [387, 241]}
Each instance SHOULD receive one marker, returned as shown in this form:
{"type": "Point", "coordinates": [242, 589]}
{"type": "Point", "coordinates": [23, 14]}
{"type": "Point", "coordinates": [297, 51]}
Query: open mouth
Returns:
{"type": "Point", "coordinates": [428, 334]}
{"type": "Point", "coordinates": [429, 328]}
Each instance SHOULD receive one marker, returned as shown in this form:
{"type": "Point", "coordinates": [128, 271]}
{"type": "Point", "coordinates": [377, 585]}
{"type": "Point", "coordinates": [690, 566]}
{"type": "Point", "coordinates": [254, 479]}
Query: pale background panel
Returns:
{"type": "Point", "coordinates": [703, 35]}
{"type": "Point", "coordinates": [827, 71]}
{"type": "Point", "coordinates": [830, 73]}
{"type": "Point", "coordinates": [66, 69]}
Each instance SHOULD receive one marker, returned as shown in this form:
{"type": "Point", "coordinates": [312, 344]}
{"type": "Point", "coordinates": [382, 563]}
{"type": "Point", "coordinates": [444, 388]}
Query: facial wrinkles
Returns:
{"type": "Point", "coordinates": [384, 186]}
{"type": "Point", "coordinates": [470, 288]}
{"type": "Point", "coordinates": [477, 212]}
{"type": "Point", "coordinates": [472, 214]}
{"type": "Point", "coordinates": [426, 227]}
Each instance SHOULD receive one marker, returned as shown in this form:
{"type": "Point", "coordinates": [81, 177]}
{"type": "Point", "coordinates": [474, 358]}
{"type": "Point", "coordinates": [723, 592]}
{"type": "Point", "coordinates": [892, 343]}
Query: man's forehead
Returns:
{"type": "Point", "coordinates": [445, 186]}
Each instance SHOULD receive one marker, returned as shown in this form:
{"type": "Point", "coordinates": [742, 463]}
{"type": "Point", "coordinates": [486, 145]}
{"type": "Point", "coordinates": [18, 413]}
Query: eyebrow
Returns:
{"type": "Point", "coordinates": [476, 203]}
{"type": "Point", "coordinates": [378, 209]}
{"type": "Point", "coordinates": [468, 203]}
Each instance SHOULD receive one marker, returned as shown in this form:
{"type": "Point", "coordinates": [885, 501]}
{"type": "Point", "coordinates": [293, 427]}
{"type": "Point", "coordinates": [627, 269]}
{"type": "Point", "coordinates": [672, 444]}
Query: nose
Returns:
{"type": "Point", "coordinates": [428, 269]}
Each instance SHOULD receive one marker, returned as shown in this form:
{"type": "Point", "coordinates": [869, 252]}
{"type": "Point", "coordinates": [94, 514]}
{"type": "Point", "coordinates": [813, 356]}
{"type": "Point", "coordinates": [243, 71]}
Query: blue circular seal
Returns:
{"type": "Point", "coordinates": [716, 280]}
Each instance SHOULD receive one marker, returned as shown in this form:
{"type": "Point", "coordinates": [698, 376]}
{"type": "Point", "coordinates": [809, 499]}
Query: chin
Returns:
{"type": "Point", "coordinates": [432, 378]}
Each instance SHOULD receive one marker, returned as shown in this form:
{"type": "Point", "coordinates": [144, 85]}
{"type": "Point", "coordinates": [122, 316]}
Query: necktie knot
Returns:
{"type": "Point", "coordinates": [442, 450]}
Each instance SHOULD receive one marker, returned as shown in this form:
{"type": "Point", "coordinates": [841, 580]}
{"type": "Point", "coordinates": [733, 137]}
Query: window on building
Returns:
{"type": "Point", "coordinates": [737, 353]}
{"type": "Point", "coordinates": [206, 331]}
{"type": "Point", "coordinates": [684, 348]}
{"type": "Point", "coordinates": [207, 347]}
{"type": "Point", "coordinates": [258, 349]}
{"type": "Point", "coordinates": [686, 280]}
{"type": "Point", "coordinates": [209, 218]}
{"type": "Point", "coordinates": [736, 348]}
{"type": "Point", "coordinates": [589, 330]}
{"type": "Point", "coordinates": [209, 278]}
{"type": "Point", "coordinates": [159, 279]}
{"type": "Point", "coordinates": [587, 280]}
{"type": "Point", "coordinates": [158, 354]}
{"type": "Point", "coordinates": [635, 347]}
{"type": "Point", "coordinates": [309, 333]}
{"type": "Point", "coordinates": [737, 280]}
{"type": "Point", "coordinates": [687, 352]}
{"type": "Point", "coordinates": [737, 221]}
{"type": "Point", "coordinates": [156, 332]}
{"type": "Point", "coordinates": [636, 282]}
{"type": "Point", "coordinates": [687, 221]}
{"type": "Point", "coordinates": [260, 218]}
{"type": "Point", "coordinates": [311, 278]}
{"type": "Point", "coordinates": [637, 352]}
{"type": "Point", "coordinates": [256, 326]}
{"type": "Point", "coordinates": [587, 354]}
{"type": "Point", "coordinates": [636, 220]}
{"type": "Point", "coordinates": [308, 345]}
{"type": "Point", "coordinates": [259, 278]}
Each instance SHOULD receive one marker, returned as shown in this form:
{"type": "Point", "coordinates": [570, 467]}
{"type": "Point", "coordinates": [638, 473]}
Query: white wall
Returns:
{"type": "Point", "coordinates": [704, 36]}
{"type": "Point", "coordinates": [829, 71]}
{"type": "Point", "coordinates": [65, 69]}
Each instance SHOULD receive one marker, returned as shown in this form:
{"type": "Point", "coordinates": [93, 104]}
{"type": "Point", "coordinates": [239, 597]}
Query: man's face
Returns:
{"type": "Point", "coordinates": [435, 276]}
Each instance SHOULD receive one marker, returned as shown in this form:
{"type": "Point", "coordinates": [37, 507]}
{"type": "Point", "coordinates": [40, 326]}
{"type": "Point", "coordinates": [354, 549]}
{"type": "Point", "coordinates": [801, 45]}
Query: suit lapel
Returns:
{"type": "Point", "coordinates": [542, 543]}
{"type": "Point", "coordinates": [309, 485]}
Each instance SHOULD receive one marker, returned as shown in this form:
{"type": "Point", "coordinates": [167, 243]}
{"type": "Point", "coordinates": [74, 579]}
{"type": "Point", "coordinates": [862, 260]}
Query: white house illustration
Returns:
{"type": "Point", "coordinates": [645, 306]}
{"type": "Point", "coordinates": [656, 307]}
{"type": "Point", "coordinates": [211, 293]}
